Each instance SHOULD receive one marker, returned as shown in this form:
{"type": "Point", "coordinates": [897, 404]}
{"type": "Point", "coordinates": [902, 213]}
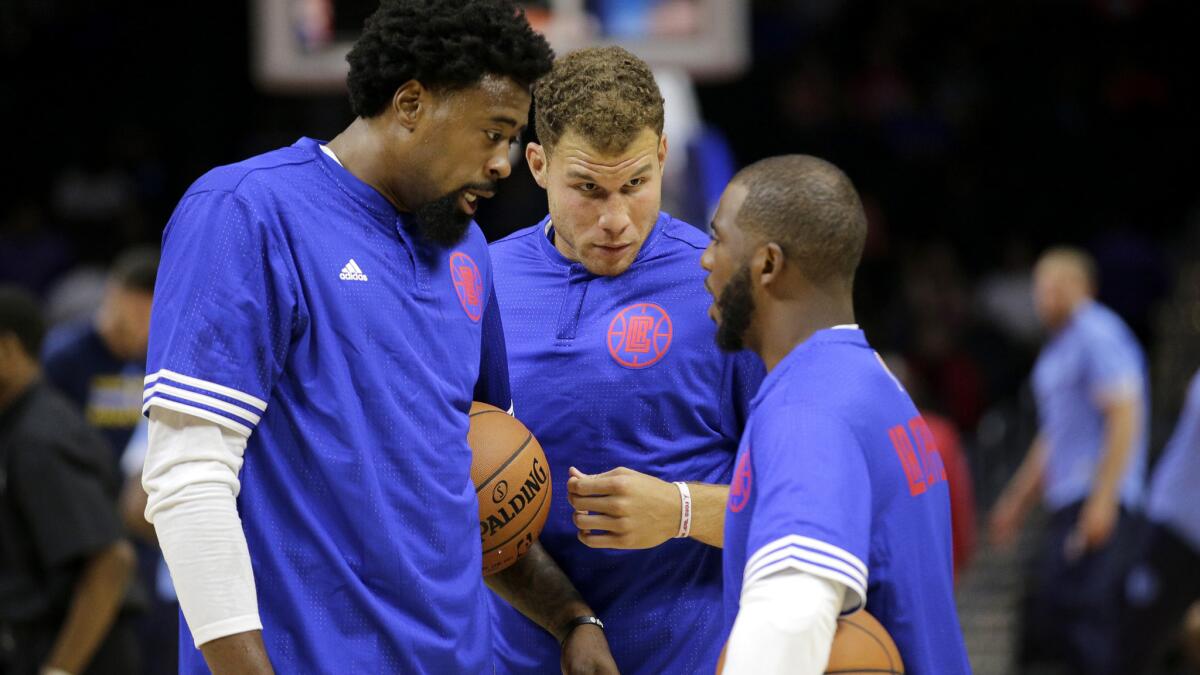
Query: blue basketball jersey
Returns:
{"type": "Point", "coordinates": [838, 476]}
{"type": "Point", "coordinates": [296, 306]}
{"type": "Point", "coordinates": [623, 371]}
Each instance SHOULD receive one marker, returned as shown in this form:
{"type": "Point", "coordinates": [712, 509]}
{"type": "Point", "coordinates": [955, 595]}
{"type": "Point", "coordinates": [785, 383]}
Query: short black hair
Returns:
{"type": "Point", "coordinates": [20, 315]}
{"type": "Point", "coordinates": [135, 269]}
{"type": "Point", "coordinates": [447, 44]}
{"type": "Point", "coordinates": [811, 210]}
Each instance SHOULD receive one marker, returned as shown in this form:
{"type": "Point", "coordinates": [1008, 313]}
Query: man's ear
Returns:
{"type": "Point", "coordinates": [769, 263]}
{"type": "Point", "coordinates": [662, 152]}
{"type": "Point", "coordinates": [409, 104]}
{"type": "Point", "coordinates": [539, 165]}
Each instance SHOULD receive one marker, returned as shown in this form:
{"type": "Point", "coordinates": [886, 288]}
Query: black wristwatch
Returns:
{"type": "Point", "coordinates": [576, 623]}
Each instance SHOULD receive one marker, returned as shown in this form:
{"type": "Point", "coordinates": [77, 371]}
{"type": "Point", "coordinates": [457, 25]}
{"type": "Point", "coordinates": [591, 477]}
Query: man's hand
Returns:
{"type": "Point", "coordinates": [586, 652]}
{"type": "Point", "coordinates": [632, 510]}
{"type": "Point", "coordinates": [1095, 527]}
{"type": "Point", "coordinates": [1004, 524]}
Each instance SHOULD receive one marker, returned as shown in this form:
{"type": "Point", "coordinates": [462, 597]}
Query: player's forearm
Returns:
{"type": "Point", "coordinates": [708, 512]}
{"type": "Point", "coordinates": [93, 607]}
{"type": "Point", "coordinates": [538, 588]}
{"type": "Point", "coordinates": [786, 623]}
{"type": "Point", "coordinates": [1121, 421]}
{"type": "Point", "coordinates": [237, 654]}
{"type": "Point", "coordinates": [1025, 487]}
{"type": "Point", "coordinates": [191, 479]}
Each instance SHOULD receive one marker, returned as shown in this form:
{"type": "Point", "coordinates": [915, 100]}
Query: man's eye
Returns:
{"type": "Point", "coordinates": [588, 187]}
{"type": "Point", "coordinates": [494, 136]}
{"type": "Point", "coordinates": [636, 182]}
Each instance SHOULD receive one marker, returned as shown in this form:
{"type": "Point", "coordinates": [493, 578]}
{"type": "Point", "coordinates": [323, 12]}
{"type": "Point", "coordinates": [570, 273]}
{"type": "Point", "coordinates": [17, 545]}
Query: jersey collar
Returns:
{"type": "Point", "coordinates": [359, 191]}
{"type": "Point", "coordinates": [849, 334]}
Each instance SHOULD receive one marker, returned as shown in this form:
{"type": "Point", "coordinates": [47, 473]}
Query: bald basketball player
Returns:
{"type": "Point", "coordinates": [839, 499]}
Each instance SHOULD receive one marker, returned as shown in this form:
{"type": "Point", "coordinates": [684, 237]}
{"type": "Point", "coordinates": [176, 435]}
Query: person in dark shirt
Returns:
{"type": "Point", "coordinates": [64, 566]}
{"type": "Point", "coordinates": [100, 365]}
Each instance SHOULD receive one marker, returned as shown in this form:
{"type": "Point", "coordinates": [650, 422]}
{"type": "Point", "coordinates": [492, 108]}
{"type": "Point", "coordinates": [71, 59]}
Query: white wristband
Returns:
{"type": "Point", "coordinates": [685, 511]}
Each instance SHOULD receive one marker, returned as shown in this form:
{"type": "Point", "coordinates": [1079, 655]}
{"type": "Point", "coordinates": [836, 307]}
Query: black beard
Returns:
{"type": "Point", "coordinates": [736, 307]}
{"type": "Point", "coordinates": [441, 221]}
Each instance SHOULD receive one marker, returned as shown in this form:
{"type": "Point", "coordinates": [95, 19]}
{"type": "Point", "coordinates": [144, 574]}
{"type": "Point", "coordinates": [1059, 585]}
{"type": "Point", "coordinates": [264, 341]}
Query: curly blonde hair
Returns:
{"type": "Point", "coordinates": [605, 94]}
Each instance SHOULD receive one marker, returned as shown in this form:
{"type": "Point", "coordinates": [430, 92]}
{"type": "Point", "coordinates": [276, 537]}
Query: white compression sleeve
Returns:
{"type": "Point", "coordinates": [191, 477]}
{"type": "Point", "coordinates": [785, 624]}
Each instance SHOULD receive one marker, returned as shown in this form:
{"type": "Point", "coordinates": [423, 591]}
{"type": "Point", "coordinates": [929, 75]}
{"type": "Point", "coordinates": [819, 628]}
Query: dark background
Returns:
{"type": "Point", "coordinates": [977, 132]}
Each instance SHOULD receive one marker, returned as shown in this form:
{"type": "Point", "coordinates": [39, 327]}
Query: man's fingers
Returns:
{"type": "Point", "coordinates": [610, 506]}
{"type": "Point", "coordinates": [600, 540]}
{"type": "Point", "coordinates": [594, 521]}
{"type": "Point", "coordinates": [595, 486]}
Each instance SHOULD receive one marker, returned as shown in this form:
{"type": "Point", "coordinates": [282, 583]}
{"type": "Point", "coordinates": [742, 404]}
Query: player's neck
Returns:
{"type": "Point", "coordinates": [358, 148]}
{"type": "Point", "coordinates": [792, 321]}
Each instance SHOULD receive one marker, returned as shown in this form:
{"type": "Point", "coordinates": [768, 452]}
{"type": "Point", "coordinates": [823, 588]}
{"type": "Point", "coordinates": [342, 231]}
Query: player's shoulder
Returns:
{"type": "Point", "coordinates": [843, 376]}
{"type": "Point", "coordinates": [683, 235]}
{"type": "Point", "coordinates": [249, 178]}
{"type": "Point", "coordinates": [1099, 324]}
{"type": "Point", "coordinates": [519, 243]}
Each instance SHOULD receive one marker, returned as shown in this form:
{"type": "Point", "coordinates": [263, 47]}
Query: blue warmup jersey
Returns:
{"type": "Point", "coordinates": [623, 371]}
{"type": "Point", "coordinates": [294, 305]}
{"type": "Point", "coordinates": [1095, 357]}
{"type": "Point", "coordinates": [1172, 500]}
{"type": "Point", "coordinates": [838, 476]}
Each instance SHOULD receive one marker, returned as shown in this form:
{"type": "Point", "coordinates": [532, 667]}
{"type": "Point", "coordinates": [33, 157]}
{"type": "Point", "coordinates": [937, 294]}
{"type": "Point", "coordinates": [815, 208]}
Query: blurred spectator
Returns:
{"type": "Point", "coordinates": [958, 470]}
{"type": "Point", "coordinates": [101, 365]}
{"type": "Point", "coordinates": [1086, 465]}
{"type": "Point", "coordinates": [1162, 584]}
{"type": "Point", "coordinates": [64, 567]}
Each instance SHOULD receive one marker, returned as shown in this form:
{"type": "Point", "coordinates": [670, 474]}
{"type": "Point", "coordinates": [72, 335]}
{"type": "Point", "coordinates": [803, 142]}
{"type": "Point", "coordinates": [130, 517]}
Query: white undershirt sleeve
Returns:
{"type": "Point", "coordinates": [785, 624]}
{"type": "Point", "coordinates": [191, 477]}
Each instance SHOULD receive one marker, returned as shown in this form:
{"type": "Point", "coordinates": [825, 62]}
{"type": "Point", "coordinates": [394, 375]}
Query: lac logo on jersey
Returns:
{"type": "Point", "coordinates": [467, 283]}
{"type": "Point", "coordinates": [739, 488]}
{"type": "Point", "coordinates": [640, 335]}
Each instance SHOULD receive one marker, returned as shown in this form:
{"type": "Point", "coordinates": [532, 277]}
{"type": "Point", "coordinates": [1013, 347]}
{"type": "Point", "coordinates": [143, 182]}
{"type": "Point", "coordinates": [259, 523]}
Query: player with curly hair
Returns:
{"type": "Point", "coordinates": [323, 318]}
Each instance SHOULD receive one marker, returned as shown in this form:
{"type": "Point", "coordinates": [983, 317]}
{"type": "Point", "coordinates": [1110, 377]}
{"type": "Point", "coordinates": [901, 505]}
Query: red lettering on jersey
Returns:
{"type": "Point", "coordinates": [931, 459]}
{"type": "Point", "coordinates": [637, 334]}
{"type": "Point", "coordinates": [908, 459]}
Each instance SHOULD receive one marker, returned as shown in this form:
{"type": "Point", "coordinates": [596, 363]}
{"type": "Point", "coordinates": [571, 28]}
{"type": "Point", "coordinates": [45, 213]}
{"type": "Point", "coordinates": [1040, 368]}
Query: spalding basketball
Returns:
{"type": "Point", "coordinates": [512, 483]}
{"type": "Point", "coordinates": [861, 646]}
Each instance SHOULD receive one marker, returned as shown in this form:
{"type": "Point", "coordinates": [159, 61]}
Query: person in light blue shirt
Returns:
{"type": "Point", "coordinates": [1086, 465]}
{"type": "Point", "coordinates": [1163, 581]}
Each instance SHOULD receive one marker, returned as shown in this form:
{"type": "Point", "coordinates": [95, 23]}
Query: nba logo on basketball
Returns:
{"type": "Point", "coordinates": [739, 488]}
{"type": "Point", "coordinates": [639, 335]}
{"type": "Point", "coordinates": [467, 284]}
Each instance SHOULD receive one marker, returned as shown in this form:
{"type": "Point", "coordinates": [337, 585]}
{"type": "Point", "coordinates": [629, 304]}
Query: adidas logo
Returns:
{"type": "Point", "coordinates": [352, 272]}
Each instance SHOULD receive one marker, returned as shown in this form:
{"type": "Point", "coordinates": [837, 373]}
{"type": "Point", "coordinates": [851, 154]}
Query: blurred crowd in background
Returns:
{"type": "Point", "coordinates": [979, 133]}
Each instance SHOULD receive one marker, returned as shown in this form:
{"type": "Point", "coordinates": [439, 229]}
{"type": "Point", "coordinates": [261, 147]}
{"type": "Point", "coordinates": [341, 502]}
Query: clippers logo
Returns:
{"type": "Point", "coordinates": [467, 284]}
{"type": "Point", "coordinates": [639, 335]}
{"type": "Point", "coordinates": [739, 487]}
